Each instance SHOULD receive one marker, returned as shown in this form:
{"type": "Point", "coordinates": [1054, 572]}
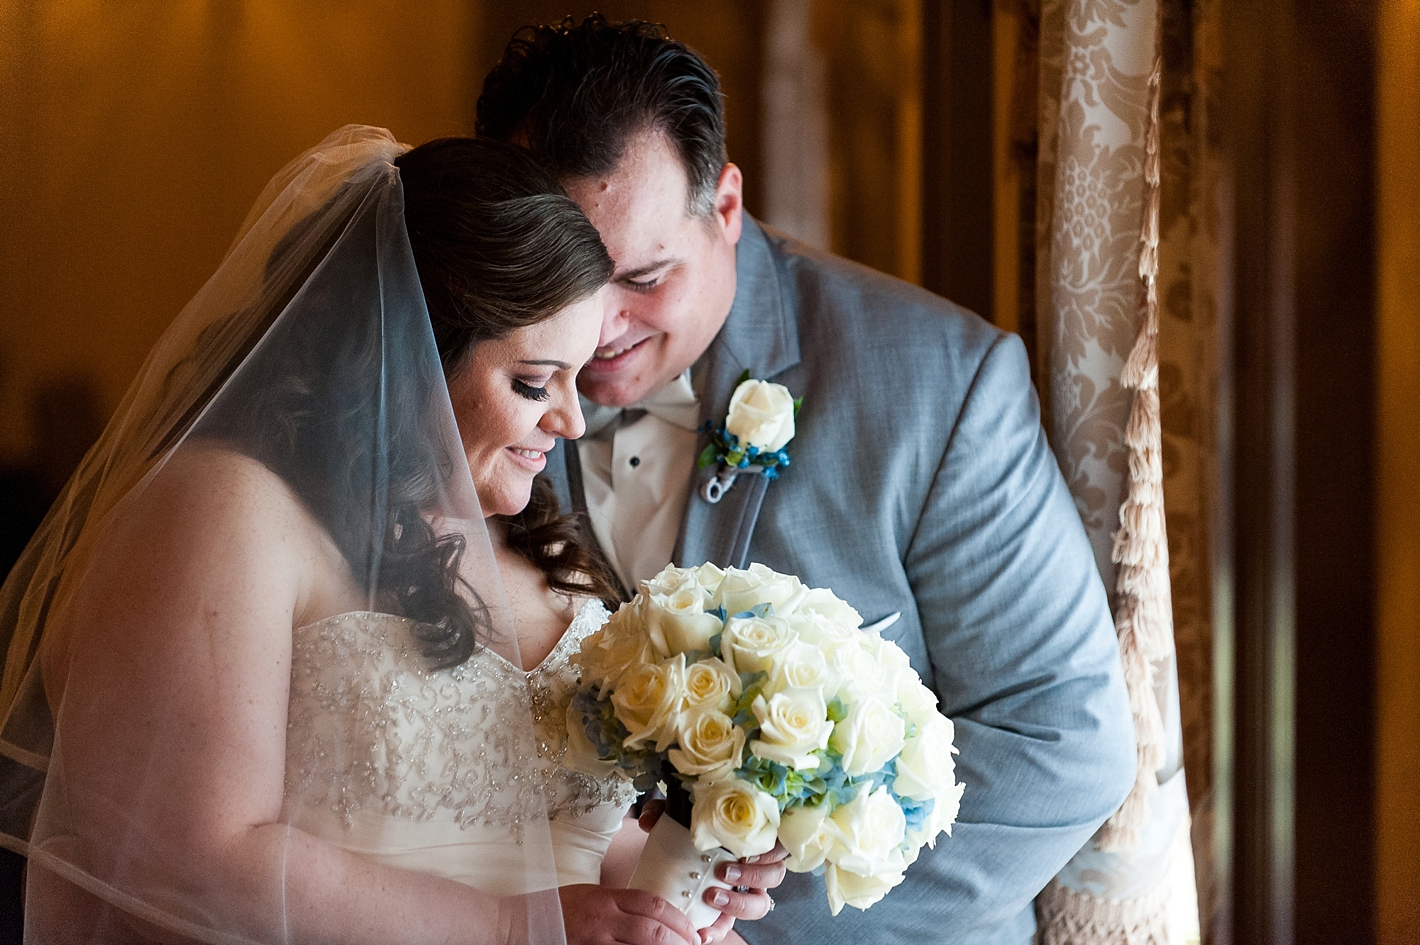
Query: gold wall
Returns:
{"type": "Point", "coordinates": [135, 137]}
{"type": "Point", "coordinates": [1398, 465]}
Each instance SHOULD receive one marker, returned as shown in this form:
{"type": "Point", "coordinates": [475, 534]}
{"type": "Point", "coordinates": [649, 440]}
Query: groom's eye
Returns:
{"type": "Point", "coordinates": [643, 285]}
{"type": "Point", "coordinates": [523, 389]}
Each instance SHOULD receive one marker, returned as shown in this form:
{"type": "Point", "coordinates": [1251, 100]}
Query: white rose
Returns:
{"type": "Point", "coordinates": [862, 676]}
{"type": "Point", "coordinates": [808, 835]}
{"type": "Point", "coordinates": [870, 828]}
{"type": "Point", "coordinates": [762, 415]}
{"type": "Point", "coordinates": [581, 753]}
{"type": "Point", "coordinates": [677, 622]}
{"type": "Point", "coordinates": [803, 666]}
{"type": "Point", "coordinates": [793, 724]}
{"type": "Point", "coordinates": [742, 591]}
{"type": "Point", "coordinates": [893, 665]}
{"type": "Point", "coordinates": [925, 768]}
{"type": "Point", "coordinates": [888, 653]}
{"type": "Point", "coordinates": [838, 645]}
{"type": "Point", "coordinates": [944, 814]}
{"type": "Point", "coordinates": [846, 888]}
{"type": "Point", "coordinates": [711, 745]}
{"type": "Point", "coordinates": [870, 736]}
{"type": "Point", "coordinates": [826, 604]}
{"type": "Point", "coordinates": [710, 684]}
{"type": "Point", "coordinates": [733, 814]}
{"type": "Point", "coordinates": [609, 652]}
{"type": "Point", "coordinates": [753, 644]}
{"type": "Point", "coordinates": [648, 701]}
{"type": "Point", "coordinates": [670, 580]}
{"type": "Point", "coordinates": [709, 576]}
{"type": "Point", "coordinates": [919, 704]}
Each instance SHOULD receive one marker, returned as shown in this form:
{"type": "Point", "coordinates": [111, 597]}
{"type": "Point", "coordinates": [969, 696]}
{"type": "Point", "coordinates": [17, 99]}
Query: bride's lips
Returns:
{"type": "Point", "coordinates": [531, 460]}
{"type": "Point", "coordinates": [613, 357]}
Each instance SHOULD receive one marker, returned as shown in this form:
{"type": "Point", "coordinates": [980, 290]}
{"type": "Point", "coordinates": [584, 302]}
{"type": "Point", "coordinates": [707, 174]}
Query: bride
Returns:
{"type": "Point", "coordinates": [289, 659]}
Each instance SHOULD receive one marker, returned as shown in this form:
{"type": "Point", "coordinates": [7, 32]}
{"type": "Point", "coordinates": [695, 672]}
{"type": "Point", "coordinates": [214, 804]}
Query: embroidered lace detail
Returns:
{"type": "Point", "coordinates": [370, 728]}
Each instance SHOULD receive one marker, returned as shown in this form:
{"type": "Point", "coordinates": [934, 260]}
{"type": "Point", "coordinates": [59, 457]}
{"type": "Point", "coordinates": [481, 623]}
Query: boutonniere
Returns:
{"type": "Point", "coordinates": [758, 426]}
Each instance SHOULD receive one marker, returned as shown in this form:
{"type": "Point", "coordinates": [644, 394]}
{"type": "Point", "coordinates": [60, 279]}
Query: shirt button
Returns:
{"type": "Point", "coordinates": [635, 461]}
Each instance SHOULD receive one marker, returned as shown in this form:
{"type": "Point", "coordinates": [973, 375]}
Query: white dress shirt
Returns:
{"type": "Point", "coordinates": [637, 477]}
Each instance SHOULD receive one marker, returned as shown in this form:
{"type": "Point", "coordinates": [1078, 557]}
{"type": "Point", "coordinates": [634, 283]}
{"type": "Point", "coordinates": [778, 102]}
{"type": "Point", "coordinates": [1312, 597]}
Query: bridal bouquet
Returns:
{"type": "Point", "coordinates": [777, 716]}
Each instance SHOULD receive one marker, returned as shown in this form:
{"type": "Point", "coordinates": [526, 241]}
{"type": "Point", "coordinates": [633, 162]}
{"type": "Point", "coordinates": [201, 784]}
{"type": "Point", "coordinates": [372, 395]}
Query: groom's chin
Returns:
{"type": "Point", "coordinates": [611, 390]}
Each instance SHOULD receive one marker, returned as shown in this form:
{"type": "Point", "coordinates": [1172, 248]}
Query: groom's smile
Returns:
{"type": "Point", "coordinates": [675, 269]}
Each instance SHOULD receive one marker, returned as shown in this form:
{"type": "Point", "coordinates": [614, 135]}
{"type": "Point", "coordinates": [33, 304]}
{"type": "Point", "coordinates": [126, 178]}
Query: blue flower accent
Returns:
{"type": "Point", "coordinates": [724, 448]}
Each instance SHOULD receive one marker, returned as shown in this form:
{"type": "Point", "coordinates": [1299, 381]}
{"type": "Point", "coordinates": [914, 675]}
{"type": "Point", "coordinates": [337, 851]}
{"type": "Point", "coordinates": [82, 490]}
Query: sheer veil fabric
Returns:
{"type": "Point", "coordinates": [310, 353]}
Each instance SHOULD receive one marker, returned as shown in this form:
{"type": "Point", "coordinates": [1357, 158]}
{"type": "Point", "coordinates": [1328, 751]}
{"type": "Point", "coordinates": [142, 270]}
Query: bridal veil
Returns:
{"type": "Point", "coordinates": [310, 351]}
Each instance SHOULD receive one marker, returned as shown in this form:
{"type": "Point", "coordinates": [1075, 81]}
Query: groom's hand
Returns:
{"type": "Point", "coordinates": [595, 915]}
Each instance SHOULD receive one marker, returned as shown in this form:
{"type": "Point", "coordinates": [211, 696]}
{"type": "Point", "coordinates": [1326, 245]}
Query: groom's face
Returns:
{"type": "Point", "coordinates": [675, 272]}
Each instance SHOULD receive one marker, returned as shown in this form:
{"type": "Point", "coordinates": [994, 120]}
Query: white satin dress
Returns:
{"type": "Point", "coordinates": [437, 771]}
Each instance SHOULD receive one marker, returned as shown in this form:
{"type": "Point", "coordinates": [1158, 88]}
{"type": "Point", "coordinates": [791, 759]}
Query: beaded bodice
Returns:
{"type": "Point", "coordinates": [371, 729]}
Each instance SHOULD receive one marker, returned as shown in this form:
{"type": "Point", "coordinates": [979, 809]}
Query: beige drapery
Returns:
{"type": "Point", "coordinates": [1080, 314]}
{"type": "Point", "coordinates": [1096, 216]}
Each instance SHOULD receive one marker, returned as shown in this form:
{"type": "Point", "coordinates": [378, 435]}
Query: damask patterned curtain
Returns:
{"type": "Point", "coordinates": [1079, 122]}
{"type": "Point", "coordinates": [1125, 272]}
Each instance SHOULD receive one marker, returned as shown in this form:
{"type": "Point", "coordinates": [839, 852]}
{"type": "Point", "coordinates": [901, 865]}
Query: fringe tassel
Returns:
{"type": "Point", "coordinates": [1067, 916]}
{"type": "Point", "coordinates": [1143, 613]}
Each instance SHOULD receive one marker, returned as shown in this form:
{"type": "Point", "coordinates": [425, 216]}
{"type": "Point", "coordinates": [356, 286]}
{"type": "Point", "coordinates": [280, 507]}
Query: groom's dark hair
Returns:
{"type": "Point", "coordinates": [576, 93]}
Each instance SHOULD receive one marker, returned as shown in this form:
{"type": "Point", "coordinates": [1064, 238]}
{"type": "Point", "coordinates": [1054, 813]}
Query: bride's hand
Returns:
{"type": "Point", "coordinates": [595, 915]}
{"type": "Point", "coordinates": [751, 878]}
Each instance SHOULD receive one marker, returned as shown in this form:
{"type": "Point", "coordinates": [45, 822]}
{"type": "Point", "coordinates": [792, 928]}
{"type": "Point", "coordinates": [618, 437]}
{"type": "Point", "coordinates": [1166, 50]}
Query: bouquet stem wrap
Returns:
{"type": "Point", "coordinates": [671, 867]}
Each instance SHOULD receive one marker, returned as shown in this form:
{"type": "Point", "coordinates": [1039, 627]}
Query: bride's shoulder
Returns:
{"type": "Point", "coordinates": [209, 487]}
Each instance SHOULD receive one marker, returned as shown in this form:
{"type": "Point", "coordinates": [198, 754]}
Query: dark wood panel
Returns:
{"type": "Point", "coordinates": [957, 182]}
{"type": "Point", "coordinates": [728, 33]}
{"type": "Point", "coordinates": [1300, 521]}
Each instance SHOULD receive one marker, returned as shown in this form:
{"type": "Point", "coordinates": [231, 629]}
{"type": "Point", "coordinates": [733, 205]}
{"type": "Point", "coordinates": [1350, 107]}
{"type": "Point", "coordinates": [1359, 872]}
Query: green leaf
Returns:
{"type": "Point", "coordinates": [798, 402]}
{"type": "Point", "coordinates": [707, 456]}
{"type": "Point", "coordinates": [743, 377]}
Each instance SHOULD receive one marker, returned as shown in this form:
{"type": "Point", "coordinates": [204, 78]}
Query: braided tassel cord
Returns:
{"type": "Point", "coordinates": [1143, 613]}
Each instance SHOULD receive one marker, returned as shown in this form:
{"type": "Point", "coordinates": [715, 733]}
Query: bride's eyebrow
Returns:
{"type": "Point", "coordinates": [560, 365]}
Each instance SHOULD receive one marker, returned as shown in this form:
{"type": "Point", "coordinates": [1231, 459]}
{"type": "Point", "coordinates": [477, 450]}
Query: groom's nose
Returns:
{"type": "Point", "coordinates": [614, 321]}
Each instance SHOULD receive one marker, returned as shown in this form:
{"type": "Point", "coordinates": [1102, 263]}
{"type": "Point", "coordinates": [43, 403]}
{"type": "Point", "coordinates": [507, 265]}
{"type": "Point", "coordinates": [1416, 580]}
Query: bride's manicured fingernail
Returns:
{"type": "Point", "coordinates": [718, 897]}
{"type": "Point", "coordinates": [732, 873]}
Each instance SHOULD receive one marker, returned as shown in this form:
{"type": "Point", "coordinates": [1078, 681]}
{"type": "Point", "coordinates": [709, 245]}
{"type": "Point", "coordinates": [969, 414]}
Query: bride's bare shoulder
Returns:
{"type": "Point", "coordinates": [209, 494]}
{"type": "Point", "coordinates": [216, 478]}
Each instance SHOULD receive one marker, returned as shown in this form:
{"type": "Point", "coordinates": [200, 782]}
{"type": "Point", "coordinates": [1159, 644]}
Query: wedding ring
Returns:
{"type": "Point", "coordinates": [740, 889]}
{"type": "Point", "coordinates": [771, 902]}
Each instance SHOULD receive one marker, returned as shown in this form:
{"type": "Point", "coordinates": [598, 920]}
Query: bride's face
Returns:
{"type": "Point", "coordinates": [513, 397]}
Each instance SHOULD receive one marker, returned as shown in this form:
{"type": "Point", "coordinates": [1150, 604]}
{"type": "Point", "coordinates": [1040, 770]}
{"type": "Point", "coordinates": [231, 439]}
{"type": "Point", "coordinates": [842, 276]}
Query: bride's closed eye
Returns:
{"type": "Point", "coordinates": [524, 389]}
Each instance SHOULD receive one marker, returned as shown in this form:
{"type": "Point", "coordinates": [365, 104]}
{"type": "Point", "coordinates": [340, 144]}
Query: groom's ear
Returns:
{"type": "Point", "coordinates": [728, 215]}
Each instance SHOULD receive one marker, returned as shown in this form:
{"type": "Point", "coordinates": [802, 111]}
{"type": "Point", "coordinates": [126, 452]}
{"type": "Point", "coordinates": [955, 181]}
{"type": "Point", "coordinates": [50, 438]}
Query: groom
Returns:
{"type": "Point", "coordinates": [921, 488]}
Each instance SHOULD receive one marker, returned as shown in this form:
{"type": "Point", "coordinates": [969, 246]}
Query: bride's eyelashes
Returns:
{"type": "Point", "coordinates": [524, 389]}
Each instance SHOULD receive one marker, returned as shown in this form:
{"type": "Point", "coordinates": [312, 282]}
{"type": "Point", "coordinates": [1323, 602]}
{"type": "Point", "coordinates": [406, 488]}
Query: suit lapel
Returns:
{"type": "Point", "coordinates": [760, 335]}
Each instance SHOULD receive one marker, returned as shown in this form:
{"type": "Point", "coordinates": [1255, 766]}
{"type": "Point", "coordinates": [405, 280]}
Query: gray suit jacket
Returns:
{"type": "Point", "coordinates": [922, 484]}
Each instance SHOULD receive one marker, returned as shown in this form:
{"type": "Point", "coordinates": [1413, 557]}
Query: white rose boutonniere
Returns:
{"type": "Point", "coordinates": [761, 415]}
{"type": "Point", "coordinates": [759, 424]}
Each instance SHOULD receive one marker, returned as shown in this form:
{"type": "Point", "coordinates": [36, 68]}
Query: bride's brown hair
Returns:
{"type": "Point", "coordinates": [498, 246]}
{"type": "Point", "coordinates": [491, 260]}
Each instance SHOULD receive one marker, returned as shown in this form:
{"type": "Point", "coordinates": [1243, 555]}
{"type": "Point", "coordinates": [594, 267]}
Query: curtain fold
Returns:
{"type": "Point", "coordinates": [1098, 264]}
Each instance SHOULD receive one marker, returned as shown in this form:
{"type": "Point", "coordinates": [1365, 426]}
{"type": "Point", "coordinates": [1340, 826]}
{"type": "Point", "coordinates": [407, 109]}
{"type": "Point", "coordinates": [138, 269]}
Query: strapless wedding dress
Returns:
{"type": "Point", "coordinates": [438, 771]}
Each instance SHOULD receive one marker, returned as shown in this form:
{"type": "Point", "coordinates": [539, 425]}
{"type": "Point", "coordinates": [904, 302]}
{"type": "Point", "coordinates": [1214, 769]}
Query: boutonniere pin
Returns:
{"type": "Point", "coordinates": [758, 426]}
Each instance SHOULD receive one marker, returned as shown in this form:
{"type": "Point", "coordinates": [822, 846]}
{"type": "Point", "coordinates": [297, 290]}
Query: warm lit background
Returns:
{"type": "Point", "coordinates": [905, 134]}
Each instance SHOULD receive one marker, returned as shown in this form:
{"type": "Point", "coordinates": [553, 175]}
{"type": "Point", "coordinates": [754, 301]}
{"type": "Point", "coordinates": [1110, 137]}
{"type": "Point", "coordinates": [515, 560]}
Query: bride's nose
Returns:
{"type": "Point", "coordinates": [565, 419]}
